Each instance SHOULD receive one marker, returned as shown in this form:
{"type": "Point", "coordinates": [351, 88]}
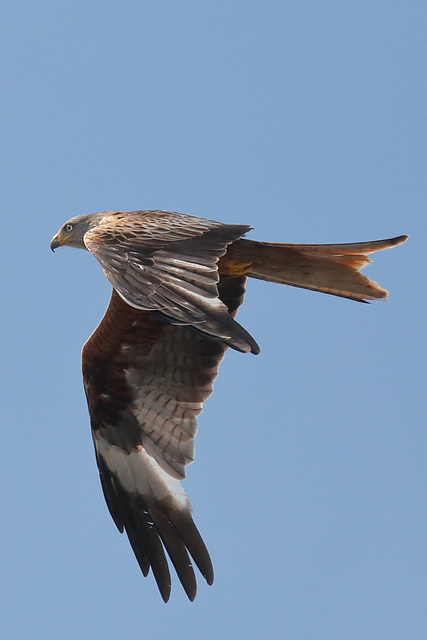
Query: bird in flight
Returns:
{"type": "Point", "coordinates": [178, 281]}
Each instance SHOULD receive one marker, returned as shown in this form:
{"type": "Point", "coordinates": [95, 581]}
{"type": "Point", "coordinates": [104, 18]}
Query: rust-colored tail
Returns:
{"type": "Point", "coordinates": [329, 268]}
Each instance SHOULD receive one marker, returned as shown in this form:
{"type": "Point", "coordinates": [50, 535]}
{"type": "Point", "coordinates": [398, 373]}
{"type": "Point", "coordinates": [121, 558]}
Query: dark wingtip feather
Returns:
{"type": "Point", "coordinates": [152, 530]}
{"type": "Point", "coordinates": [176, 550]}
{"type": "Point", "coordinates": [144, 539]}
{"type": "Point", "coordinates": [192, 539]}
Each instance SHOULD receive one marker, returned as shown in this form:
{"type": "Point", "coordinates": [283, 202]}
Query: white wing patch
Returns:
{"type": "Point", "coordinates": [139, 474]}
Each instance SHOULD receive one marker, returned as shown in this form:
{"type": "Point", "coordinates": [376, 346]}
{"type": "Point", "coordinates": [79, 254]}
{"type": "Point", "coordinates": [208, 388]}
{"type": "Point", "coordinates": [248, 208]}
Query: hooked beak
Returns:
{"type": "Point", "coordinates": [55, 242]}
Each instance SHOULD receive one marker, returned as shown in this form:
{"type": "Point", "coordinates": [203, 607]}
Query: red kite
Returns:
{"type": "Point", "coordinates": [178, 281]}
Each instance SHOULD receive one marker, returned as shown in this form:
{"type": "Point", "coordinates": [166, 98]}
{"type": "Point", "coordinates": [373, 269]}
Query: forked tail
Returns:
{"type": "Point", "coordinates": [329, 268]}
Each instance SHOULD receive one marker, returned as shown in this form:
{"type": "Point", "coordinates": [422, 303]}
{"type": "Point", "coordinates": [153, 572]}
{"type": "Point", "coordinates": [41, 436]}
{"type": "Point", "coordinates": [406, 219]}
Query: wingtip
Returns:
{"type": "Point", "coordinates": [191, 592]}
{"type": "Point", "coordinates": [165, 595]}
{"type": "Point", "coordinates": [191, 537]}
{"type": "Point", "coordinates": [209, 577]}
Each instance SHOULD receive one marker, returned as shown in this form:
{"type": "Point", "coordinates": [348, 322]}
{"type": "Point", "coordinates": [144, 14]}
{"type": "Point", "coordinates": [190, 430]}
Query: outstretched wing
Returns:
{"type": "Point", "coordinates": [167, 262]}
{"type": "Point", "coordinates": [145, 382]}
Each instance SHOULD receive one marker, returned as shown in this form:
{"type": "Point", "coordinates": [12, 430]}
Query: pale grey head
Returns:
{"type": "Point", "coordinates": [72, 232]}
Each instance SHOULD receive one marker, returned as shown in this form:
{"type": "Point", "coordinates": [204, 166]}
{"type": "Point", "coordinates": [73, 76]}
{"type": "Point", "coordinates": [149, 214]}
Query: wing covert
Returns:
{"type": "Point", "coordinates": [166, 262]}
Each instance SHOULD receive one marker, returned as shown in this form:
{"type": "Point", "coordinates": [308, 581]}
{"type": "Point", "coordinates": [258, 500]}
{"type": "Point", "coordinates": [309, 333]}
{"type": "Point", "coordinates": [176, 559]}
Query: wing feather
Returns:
{"type": "Point", "coordinates": [145, 382]}
{"type": "Point", "coordinates": [167, 262]}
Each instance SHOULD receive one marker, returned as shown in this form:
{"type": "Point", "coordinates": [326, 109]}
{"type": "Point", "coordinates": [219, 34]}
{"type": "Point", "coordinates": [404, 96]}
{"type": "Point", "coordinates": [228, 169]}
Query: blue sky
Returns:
{"type": "Point", "coordinates": [307, 121]}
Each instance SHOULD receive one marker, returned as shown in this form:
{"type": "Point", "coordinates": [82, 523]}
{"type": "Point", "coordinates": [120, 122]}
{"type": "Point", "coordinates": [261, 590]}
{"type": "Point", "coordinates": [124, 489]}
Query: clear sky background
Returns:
{"type": "Point", "coordinates": [307, 120]}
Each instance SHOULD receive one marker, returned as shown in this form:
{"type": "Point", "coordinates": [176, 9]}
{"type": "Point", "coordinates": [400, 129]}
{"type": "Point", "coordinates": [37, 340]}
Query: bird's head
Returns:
{"type": "Point", "coordinates": [72, 232]}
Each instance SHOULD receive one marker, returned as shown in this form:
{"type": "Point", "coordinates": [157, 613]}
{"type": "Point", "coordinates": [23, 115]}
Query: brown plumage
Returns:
{"type": "Point", "coordinates": [177, 283]}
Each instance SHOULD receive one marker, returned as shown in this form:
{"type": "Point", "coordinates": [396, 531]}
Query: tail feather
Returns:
{"type": "Point", "coordinates": [329, 268]}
